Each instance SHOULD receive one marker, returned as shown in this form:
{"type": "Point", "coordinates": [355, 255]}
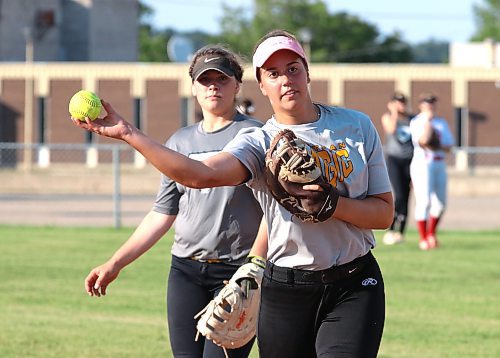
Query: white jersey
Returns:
{"type": "Point", "coordinates": [428, 169]}
{"type": "Point", "coordinates": [349, 149]}
{"type": "Point", "coordinates": [417, 126]}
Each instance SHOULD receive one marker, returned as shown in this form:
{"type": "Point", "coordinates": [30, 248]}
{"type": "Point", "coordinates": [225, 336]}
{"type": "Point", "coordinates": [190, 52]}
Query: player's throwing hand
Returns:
{"type": "Point", "coordinates": [112, 125]}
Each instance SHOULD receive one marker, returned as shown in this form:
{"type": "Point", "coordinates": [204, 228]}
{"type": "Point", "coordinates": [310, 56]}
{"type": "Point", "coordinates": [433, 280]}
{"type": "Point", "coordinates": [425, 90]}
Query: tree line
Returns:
{"type": "Point", "coordinates": [331, 37]}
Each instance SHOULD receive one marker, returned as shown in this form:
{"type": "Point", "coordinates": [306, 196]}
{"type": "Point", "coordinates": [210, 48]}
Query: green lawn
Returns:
{"type": "Point", "coordinates": [443, 303]}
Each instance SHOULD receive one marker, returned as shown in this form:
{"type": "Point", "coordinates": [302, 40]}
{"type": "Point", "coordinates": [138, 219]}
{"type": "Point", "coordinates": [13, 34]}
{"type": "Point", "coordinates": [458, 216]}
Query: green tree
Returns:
{"type": "Point", "coordinates": [487, 18]}
{"type": "Point", "coordinates": [431, 51]}
{"type": "Point", "coordinates": [338, 37]}
{"type": "Point", "coordinates": [334, 37]}
{"type": "Point", "coordinates": [152, 43]}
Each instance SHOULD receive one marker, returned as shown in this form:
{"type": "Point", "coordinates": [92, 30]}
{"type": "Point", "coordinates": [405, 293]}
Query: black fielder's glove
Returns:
{"type": "Point", "coordinates": [430, 138]}
{"type": "Point", "coordinates": [290, 166]}
{"type": "Point", "coordinates": [433, 142]}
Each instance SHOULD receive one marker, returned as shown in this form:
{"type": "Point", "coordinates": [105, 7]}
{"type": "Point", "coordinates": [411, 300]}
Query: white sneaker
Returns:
{"type": "Point", "coordinates": [398, 238]}
{"type": "Point", "coordinates": [432, 240]}
{"type": "Point", "coordinates": [424, 245]}
{"type": "Point", "coordinates": [392, 238]}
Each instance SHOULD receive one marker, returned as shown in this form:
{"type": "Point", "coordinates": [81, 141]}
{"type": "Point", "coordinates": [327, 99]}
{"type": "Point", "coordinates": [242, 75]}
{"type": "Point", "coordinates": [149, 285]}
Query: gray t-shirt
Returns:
{"type": "Point", "coordinates": [216, 223]}
{"type": "Point", "coordinates": [349, 150]}
{"type": "Point", "coordinates": [399, 143]}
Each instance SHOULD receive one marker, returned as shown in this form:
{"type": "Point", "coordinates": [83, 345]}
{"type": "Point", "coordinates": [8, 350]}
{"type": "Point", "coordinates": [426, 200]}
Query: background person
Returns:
{"type": "Point", "coordinates": [399, 152]}
{"type": "Point", "coordinates": [214, 228]}
{"type": "Point", "coordinates": [246, 106]}
{"type": "Point", "coordinates": [432, 140]}
{"type": "Point", "coordinates": [322, 292]}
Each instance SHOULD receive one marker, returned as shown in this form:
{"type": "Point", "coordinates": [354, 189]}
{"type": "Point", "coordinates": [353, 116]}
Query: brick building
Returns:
{"type": "Point", "coordinates": [90, 44]}
{"type": "Point", "coordinates": [158, 96]}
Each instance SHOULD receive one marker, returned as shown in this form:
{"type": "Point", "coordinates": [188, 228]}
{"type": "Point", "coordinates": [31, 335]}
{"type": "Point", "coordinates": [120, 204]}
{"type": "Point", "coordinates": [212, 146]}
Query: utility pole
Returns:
{"type": "Point", "coordinates": [305, 36]}
{"type": "Point", "coordinates": [28, 98]}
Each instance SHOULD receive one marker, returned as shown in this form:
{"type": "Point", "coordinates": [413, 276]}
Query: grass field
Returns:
{"type": "Point", "coordinates": [444, 303]}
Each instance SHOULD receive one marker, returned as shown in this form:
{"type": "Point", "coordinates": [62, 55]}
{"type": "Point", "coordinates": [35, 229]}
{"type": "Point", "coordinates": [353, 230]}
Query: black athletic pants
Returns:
{"type": "Point", "coordinates": [191, 286]}
{"type": "Point", "coordinates": [339, 312]}
{"type": "Point", "coordinates": [399, 174]}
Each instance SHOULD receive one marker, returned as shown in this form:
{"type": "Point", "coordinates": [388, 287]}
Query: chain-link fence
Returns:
{"type": "Point", "coordinates": [40, 156]}
{"type": "Point", "coordinates": [16, 155]}
{"type": "Point", "coordinates": [60, 173]}
{"type": "Point", "coordinates": [112, 184]}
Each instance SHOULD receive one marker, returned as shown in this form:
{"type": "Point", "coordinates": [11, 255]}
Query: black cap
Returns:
{"type": "Point", "coordinates": [398, 96]}
{"type": "Point", "coordinates": [428, 98]}
{"type": "Point", "coordinates": [212, 62]}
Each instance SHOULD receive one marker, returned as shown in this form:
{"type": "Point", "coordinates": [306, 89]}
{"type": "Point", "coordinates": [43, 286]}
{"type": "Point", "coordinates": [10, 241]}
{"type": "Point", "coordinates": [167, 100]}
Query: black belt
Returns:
{"type": "Point", "coordinates": [330, 275]}
{"type": "Point", "coordinates": [238, 262]}
{"type": "Point", "coordinates": [208, 261]}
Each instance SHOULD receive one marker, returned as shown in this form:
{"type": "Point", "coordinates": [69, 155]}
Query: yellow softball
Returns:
{"type": "Point", "coordinates": [84, 104]}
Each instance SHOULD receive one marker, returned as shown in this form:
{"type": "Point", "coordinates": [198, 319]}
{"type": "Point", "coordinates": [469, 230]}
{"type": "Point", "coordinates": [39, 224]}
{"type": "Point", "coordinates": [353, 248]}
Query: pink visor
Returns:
{"type": "Point", "coordinates": [273, 44]}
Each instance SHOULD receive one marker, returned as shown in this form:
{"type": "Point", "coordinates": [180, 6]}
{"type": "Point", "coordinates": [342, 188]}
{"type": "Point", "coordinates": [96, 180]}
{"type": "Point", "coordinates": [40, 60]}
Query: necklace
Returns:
{"type": "Point", "coordinates": [318, 111]}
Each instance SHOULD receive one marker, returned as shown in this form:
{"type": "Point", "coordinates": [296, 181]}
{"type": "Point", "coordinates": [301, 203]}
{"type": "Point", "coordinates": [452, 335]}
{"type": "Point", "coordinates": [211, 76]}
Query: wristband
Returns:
{"type": "Point", "coordinates": [258, 260]}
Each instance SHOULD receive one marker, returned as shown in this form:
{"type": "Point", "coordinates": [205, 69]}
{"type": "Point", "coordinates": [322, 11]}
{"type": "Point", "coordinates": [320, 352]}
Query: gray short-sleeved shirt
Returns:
{"type": "Point", "coordinates": [351, 157]}
{"type": "Point", "coordinates": [215, 223]}
{"type": "Point", "coordinates": [399, 143]}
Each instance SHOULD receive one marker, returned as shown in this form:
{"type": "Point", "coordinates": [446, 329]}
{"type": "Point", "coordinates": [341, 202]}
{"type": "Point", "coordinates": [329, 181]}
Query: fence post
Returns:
{"type": "Point", "coordinates": [461, 159]}
{"type": "Point", "coordinates": [92, 156]}
{"type": "Point", "coordinates": [43, 156]}
{"type": "Point", "coordinates": [116, 187]}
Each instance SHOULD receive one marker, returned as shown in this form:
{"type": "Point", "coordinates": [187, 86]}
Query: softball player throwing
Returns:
{"type": "Point", "coordinates": [322, 291]}
{"type": "Point", "coordinates": [432, 140]}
